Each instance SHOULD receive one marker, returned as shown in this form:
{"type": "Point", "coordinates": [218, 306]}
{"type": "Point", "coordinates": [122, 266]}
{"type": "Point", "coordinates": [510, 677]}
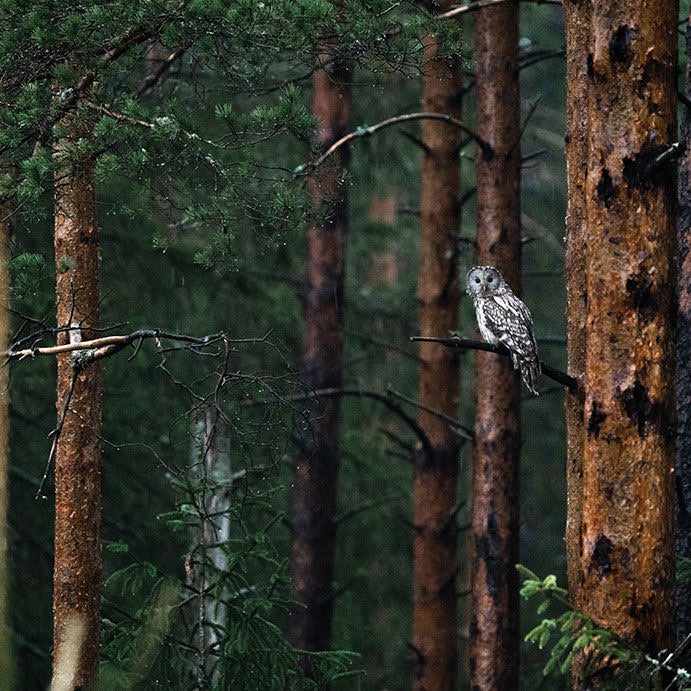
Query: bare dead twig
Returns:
{"type": "Point", "coordinates": [56, 435]}
{"type": "Point", "coordinates": [367, 131]}
{"type": "Point", "coordinates": [457, 11]}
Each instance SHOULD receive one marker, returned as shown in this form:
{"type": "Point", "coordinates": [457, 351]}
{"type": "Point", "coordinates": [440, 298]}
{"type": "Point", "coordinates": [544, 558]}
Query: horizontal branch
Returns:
{"type": "Point", "coordinates": [396, 120]}
{"type": "Point", "coordinates": [556, 375]}
{"type": "Point", "coordinates": [457, 11]}
{"type": "Point", "coordinates": [98, 348]}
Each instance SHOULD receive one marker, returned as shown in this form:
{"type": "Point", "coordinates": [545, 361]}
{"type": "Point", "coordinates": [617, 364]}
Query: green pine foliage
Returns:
{"type": "Point", "coordinates": [607, 660]}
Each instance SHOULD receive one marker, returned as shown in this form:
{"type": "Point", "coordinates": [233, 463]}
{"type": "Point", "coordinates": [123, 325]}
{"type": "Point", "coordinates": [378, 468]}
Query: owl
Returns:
{"type": "Point", "coordinates": [504, 319]}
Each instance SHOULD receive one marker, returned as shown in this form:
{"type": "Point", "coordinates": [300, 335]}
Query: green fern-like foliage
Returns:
{"type": "Point", "coordinates": [604, 656]}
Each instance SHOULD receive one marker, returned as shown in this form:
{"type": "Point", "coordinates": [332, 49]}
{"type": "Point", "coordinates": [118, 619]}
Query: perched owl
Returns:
{"type": "Point", "coordinates": [504, 319]}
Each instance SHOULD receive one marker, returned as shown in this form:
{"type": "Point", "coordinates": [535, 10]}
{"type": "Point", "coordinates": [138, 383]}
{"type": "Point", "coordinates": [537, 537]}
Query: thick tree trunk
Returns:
{"type": "Point", "coordinates": [317, 428]}
{"type": "Point", "coordinates": [435, 543]}
{"type": "Point", "coordinates": [683, 464]}
{"type": "Point", "coordinates": [627, 547]}
{"type": "Point", "coordinates": [77, 571]}
{"type": "Point", "coordinates": [6, 657]}
{"type": "Point", "coordinates": [577, 41]}
{"type": "Point", "coordinates": [494, 627]}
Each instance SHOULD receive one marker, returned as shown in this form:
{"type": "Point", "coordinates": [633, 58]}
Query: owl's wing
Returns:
{"type": "Point", "coordinates": [512, 323]}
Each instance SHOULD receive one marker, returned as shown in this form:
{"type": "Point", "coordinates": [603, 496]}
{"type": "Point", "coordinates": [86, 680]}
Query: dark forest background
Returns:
{"type": "Point", "coordinates": [163, 268]}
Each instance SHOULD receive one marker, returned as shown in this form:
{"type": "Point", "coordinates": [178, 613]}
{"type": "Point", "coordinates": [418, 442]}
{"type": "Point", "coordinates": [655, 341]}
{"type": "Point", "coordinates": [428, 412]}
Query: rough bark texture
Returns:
{"type": "Point", "coordinates": [435, 543]}
{"type": "Point", "coordinates": [77, 571]}
{"type": "Point", "coordinates": [627, 546]}
{"type": "Point", "coordinates": [317, 428]}
{"type": "Point", "coordinates": [6, 657]}
{"type": "Point", "coordinates": [577, 22]}
{"type": "Point", "coordinates": [683, 464]}
{"type": "Point", "coordinates": [494, 626]}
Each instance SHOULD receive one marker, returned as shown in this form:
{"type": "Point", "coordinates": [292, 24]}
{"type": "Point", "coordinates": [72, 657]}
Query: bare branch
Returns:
{"type": "Point", "coordinates": [457, 11]}
{"type": "Point", "coordinates": [556, 375]}
{"type": "Point", "coordinates": [154, 77]}
{"type": "Point", "coordinates": [305, 168]}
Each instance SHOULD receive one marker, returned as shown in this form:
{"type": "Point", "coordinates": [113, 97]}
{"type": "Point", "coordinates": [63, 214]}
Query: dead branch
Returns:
{"type": "Point", "coordinates": [556, 375]}
{"type": "Point", "coordinates": [108, 345]}
{"type": "Point", "coordinates": [367, 131]}
{"type": "Point", "coordinates": [457, 11]}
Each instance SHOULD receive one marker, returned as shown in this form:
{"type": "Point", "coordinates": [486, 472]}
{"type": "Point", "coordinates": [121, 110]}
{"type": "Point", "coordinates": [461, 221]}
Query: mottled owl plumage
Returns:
{"type": "Point", "coordinates": [504, 319]}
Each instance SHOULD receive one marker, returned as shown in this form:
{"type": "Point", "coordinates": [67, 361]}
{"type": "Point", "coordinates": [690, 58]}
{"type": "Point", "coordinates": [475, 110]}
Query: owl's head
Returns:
{"type": "Point", "coordinates": [484, 280]}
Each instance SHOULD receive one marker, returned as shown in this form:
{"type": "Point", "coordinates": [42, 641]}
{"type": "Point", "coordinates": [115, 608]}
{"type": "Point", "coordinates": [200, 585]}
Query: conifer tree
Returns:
{"type": "Point", "coordinates": [316, 461]}
{"type": "Point", "coordinates": [625, 543]}
{"type": "Point", "coordinates": [494, 626]}
{"type": "Point", "coordinates": [435, 542]}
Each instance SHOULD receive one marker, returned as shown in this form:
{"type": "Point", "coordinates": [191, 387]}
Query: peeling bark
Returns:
{"type": "Point", "coordinates": [683, 464]}
{"type": "Point", "coordinates": [494, 627]}
{"type": "Point", "coordinates": [435, 542]}
{"type": "Point", "coordinates": [626, 559]}
{"type": "Point", "coordinates": [77, 570]}
{"type": "Point", "coordinates": [577, 23]}
{"type": "Point", "coordinates": [317, 428]}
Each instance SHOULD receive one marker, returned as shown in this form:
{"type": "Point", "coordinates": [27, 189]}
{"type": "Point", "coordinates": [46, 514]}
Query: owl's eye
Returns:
{"type": "Point", "coordinates": [477, 280]}
{"type": "Point", "coordinates": [490, 279]}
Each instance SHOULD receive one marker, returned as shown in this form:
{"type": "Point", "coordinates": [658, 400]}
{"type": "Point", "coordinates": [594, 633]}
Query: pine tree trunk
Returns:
{"type": "Point", "coordinates": [6, 656]}
{"type": "Point", "coordinates": [77, 571]}
{"type": "Point", "coordinates": [317, 427]}
{"type": "Point", "coordinates": [683, 465]}
{"type": "Point", "coordinates": [577, 41]}
{"type": "Point", "coordinates": [435, 543]}
{"type": "Point", "coordinates": [494, 627]}
{"type": "Point", "coordinates": [627, 545]}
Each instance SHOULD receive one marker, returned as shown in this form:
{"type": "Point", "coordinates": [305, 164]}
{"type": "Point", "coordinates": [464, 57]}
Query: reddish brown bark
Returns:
{"type": "Point", "coordinates": [435, 543]}
{"type": "Point", "coordinates": [683, 464]}
{"type": "Point", "coordinates": [494, 626]}
{"type": "Point", "coordinates": [626, 559]}
{"type": "Point", "coordinates": [317, 428]}
{"type": "Point", "coordinates": [77, 571]}
{"type": "Point", "coordinates": [577, 22]}
{"type": "Point", "coordinates": [6, 657]}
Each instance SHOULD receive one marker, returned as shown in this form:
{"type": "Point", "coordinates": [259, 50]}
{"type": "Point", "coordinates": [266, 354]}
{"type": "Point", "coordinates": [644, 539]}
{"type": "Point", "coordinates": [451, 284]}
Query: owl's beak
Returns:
{"type": "Point", "coordinates": [484, 287]}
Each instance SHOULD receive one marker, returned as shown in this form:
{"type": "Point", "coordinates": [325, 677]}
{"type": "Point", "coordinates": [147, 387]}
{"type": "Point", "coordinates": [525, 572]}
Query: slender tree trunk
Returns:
{"type": "Point", "coordinates": [577, 41]}
{"type": "Point", "coordinates": [6, 656]}
{"type": "Point", "coordinates": [435, 544]}
{"type": "Point", "coordinates": [317, 428]}
{"type": "Point", "coordinates": [683, 464]}
{"type": "Point", "coordinates": [211, 467]}
{"type": "Point", "coordinates": [627, 545]}
{"type": "Point", "coordinates": [494, 627]}
{"type": "Point", "coordinates": [77, 571]}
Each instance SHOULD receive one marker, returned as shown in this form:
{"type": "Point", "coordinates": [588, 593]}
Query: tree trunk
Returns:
{"type": "Point", "coordinates": [77, 571]}
{"type": "Point", "coordinates": [683, 464]}
{"type": "Point", "coordinates": [494, 627]}
{"type": "Point", "coordinates": [627, 545]}
{"type": "Point", "coordinates": [435, 544]}
{"type": "Point", "coordinates": [212, 466]}
{"type": "Point", "coordinates": [317, 428]}
{"type": "Point", "coordinates": [6, 656]}
{"type": "Point", "coordinates": [577, 40]}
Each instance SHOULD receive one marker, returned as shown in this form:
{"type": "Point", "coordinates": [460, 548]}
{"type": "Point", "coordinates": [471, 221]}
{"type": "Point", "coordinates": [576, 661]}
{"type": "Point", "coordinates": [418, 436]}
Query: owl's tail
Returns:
{"type": "Point", "coordinates": [530, 371]}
